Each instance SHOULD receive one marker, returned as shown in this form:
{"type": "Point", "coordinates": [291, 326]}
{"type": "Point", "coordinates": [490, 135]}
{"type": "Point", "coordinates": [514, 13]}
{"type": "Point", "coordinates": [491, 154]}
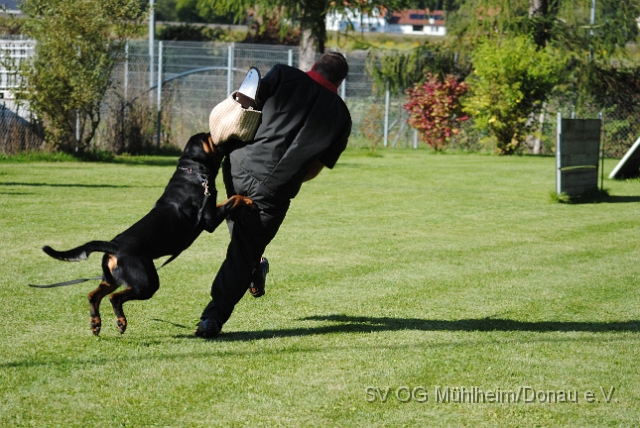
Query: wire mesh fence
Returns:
{"type": "Point", "coordinates": [620, 125]}
{"type": "Point", "coordinates": [18, 134]}
{"type": "Point", "coordinates": [195, 76]}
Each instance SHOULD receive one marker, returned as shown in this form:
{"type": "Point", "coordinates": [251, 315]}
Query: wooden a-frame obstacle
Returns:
{"type": "Point", "coordinates": [629, 165]}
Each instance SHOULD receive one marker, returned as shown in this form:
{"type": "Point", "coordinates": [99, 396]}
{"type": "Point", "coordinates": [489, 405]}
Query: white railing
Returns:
{"type": "Point", "coordinates": [12, 52]}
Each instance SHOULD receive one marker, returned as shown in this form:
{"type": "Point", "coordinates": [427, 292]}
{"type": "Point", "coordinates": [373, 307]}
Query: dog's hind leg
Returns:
{"type": "Point", "coordinates": [107, 286]}
{"type": "Point", "coordinates": [141, 279]}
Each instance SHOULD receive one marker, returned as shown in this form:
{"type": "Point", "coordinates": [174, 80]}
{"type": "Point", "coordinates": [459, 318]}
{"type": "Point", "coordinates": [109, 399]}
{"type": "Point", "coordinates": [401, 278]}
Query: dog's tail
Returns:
{"type": "Point", "coordinates": [82, 252]}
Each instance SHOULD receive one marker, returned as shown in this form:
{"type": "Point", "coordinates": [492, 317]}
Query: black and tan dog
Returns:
{"type": "Point", "coordinates": [185, 209]}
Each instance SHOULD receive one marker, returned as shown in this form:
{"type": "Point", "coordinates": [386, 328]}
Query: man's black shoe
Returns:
{"type": "Point", "coordinates": [259, 278]}
{"type": "Point", "coordinates": [207, 328]}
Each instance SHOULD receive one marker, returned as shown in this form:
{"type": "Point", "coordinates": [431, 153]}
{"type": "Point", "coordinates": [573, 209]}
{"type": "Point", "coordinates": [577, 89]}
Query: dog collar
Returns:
{"type": "Point", "coordinates": [204, 178]}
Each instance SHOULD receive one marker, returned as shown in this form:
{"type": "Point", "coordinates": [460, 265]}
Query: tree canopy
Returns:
{"type": "Point", "coordinates": [565, 24]}
{"type": "Point", "coordinates": [309, 14]}
{"type": "Point", "coordinates": [76, 49]}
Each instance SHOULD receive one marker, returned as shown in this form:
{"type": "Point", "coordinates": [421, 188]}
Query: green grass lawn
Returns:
{"type": "Point", "coordinates": [409, 272]}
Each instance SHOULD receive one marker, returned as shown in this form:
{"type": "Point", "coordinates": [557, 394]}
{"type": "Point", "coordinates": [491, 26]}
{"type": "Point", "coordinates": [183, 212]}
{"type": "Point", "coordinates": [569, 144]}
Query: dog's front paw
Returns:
{"type": "Point", "coordinates": [122, 325]}
{"type": "Point", "coordinates": [249, 203]}
{"type": "Point", "coordinates": [96, 325]}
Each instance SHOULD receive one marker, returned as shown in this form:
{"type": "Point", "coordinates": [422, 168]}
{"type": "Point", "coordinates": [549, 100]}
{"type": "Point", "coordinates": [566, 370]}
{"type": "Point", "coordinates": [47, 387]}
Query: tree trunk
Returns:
{"type": "Point", "coordinates": [313, 34]}
{"type": "Point", "coordinates": [537, 144]}
{"type": "Point", "coordinates": [542, 14]}
{"type": "Point", "coordinates": [307, 50]}
{"type": "Point", "coordinates": [538, 10]}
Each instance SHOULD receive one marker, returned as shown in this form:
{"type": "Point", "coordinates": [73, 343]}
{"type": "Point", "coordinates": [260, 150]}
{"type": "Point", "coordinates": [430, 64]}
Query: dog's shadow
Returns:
{"type": "Point", "coordinates": [357, 324]}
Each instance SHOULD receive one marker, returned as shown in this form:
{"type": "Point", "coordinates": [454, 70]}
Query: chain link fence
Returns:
{"type": "Point", "coordinates": [195, 76]}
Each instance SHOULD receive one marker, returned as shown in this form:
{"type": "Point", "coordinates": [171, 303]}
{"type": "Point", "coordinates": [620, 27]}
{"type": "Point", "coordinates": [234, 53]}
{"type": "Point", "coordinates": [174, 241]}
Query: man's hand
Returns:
{"type": "Point", "coordinates": [314, 171]}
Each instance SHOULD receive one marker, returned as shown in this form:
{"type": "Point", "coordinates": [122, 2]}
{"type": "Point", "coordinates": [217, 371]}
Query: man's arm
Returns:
{"type": "Point", "coordinates": [314, 171]}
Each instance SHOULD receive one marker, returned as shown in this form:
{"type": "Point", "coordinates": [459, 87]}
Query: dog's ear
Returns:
{"type": "Point", "coordinates": [207, 144]}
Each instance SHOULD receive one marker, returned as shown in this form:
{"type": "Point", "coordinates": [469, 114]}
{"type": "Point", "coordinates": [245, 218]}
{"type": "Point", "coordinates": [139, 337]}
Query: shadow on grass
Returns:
{"type": "Point", "coordinates": [14, 183]}
{"type": "Point", "coordinates": [156, 161]}
{"type": "Point", "coordinates": [354, 324]}
{"type": "Point", "coordinates": [616, 200]}
{"type": "Point", "coordinates": [593, 197]}
{"type": "Point", "coordinates": [345, 324]}
{"type": "Point", "coordinates": [173, 323]}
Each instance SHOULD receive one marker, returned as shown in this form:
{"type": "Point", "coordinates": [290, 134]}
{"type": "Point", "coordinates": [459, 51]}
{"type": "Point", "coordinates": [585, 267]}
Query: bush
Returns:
{"type": "Point", "coordinates": [193, 33]}
{"type": "Point", "coordinates": [511, 80]}
{"type": "Point", "coordinates": [435, 110]}
{"type": "Point", "coordinates": [77, 46]}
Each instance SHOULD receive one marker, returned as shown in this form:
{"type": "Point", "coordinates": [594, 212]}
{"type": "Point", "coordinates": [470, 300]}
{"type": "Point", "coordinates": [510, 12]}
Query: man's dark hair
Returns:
{"type": "Point", "coordinates": [333, 66]}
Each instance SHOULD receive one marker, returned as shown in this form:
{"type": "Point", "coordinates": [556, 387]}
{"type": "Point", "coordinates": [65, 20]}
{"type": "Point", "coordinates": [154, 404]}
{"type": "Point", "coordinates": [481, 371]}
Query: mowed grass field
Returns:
{"type": "Point", "coordinates": [410, 289]}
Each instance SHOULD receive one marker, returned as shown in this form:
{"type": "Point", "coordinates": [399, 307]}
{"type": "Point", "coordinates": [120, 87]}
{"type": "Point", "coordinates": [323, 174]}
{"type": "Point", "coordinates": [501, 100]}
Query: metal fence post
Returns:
{"type": "Point", "coordinates": [558, 172]}
{"type": "Point", "coordinates": [230, 60]}
{"type": "Point", "coordinates": [152, 32]}
{"type": "Point", "coordinates": [602, 134]}
{"type": "Point", "coordinates": [77, 128]}
{"type": "Point", "coordinates": [126, 70]}
{"type": "Point", "coordinates": [386, 115]}
{"type": "Point", "coordinates": [159, 120]}
{"type": "Point", "coordinates": [290, 58]}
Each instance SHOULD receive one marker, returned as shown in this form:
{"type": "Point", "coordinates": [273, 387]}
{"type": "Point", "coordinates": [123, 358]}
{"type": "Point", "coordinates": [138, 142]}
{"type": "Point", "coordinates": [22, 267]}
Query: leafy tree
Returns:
{"type": "Point", "coordinates": [77, 45]}
{"type": "Point", "coordinates": [371, 126]}
{"type": "Point", "coordinates": [193, 33]}
{"type": "Point", "coordinates": [8, 24]}
{"type": "Point", "coordinates": [198, 11]}
{"type": "Point", "coordinates": [565, 24]}
{"type": "Point", "coordinates": [616, 93]}
{"type": "Point", "coordinates": [165, 10]}
{"type": "Point", "coordinates": [588, 54]}
{"type": "Point", "coordinates": [435, 110]}
{"type": "Point", "coordinates": [398, 70]}
{"type": "Point", "coordinates": [511, 80]}
{"type": "Point", "coordinates": [310, 15]}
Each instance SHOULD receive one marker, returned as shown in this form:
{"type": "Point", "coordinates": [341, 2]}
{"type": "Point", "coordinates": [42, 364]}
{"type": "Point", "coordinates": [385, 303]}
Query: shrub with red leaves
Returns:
{"type": "Point", "coordinates": [434, 109]}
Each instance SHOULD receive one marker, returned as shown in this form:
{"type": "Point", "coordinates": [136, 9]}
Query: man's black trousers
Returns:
{"type": "Point", "coordinates": [251, 231]}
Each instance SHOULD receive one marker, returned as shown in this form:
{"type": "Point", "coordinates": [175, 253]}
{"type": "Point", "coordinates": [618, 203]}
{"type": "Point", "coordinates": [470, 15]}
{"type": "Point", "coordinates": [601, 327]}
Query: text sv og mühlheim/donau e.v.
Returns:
{"type": "Point", "coordinates": [478, 395]}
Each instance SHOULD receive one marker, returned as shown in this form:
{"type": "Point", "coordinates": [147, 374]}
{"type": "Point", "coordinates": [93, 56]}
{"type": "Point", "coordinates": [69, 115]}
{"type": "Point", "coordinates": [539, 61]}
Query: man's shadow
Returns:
{"type": "Point", "coordinates": [356, 324]}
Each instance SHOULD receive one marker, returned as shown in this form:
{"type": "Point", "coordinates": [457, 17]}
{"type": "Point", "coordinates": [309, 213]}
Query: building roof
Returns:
{"type": "Point", "coordinates": [418, 17]}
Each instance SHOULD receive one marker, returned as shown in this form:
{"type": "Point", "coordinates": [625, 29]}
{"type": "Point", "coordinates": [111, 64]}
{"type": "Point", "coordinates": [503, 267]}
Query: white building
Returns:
{"type": "Point", "coordinates": [14, 51]}
{"type": "Point", "coordinates": [414, 21]}
{"type": "Point", "coordinates": [353, 20]}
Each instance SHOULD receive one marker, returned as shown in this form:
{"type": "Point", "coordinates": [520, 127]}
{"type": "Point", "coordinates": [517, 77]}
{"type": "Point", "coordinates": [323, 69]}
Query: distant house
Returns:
{"type": "Point", "coordinates": [354, 20]}
{"type": "Point", "coordinates": [416, 21]}
{"type": "Point", "coordinates": [412, 21]}
{"type": "Point", "coordinates": [10, 6]}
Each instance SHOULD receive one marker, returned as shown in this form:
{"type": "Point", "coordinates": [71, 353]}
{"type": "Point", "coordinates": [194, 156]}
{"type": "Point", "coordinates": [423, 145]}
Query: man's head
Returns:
{"type": "Point", "coordinates": [333, 66]}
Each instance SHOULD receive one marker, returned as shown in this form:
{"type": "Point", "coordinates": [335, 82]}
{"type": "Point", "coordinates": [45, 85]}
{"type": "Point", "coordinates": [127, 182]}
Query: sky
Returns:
{"type": "Point", "coordinates": [10, 4]}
